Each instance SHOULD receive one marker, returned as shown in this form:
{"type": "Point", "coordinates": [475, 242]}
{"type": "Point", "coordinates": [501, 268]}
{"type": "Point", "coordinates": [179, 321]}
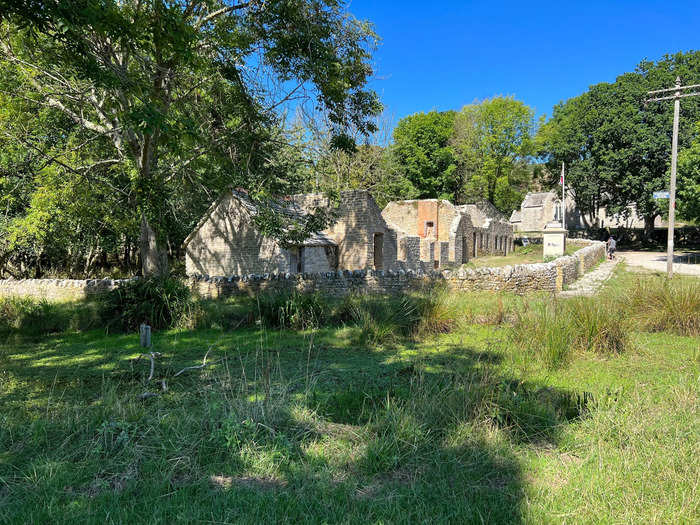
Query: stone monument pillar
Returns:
{"type": "Point", "coordinates": [553, 242]}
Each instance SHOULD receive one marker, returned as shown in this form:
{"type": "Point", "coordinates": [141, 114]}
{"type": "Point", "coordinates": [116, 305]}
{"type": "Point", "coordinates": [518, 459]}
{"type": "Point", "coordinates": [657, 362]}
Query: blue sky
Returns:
{"type": "Point", "coordinates": [444, 54]}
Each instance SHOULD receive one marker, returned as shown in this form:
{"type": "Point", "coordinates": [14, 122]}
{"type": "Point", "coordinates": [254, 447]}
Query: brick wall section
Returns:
{"type": "Point", "coordinates": [58, 290]}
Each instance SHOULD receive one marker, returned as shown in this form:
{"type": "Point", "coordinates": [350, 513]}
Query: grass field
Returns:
{"type": "Point", "coordinates": [311, 427]}
{"type": "Point", "coordinates": [521, 255]}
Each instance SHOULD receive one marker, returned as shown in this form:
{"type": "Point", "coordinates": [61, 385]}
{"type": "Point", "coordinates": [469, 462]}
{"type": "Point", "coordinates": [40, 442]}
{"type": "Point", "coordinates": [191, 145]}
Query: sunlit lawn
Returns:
{"type": "Point", "coordinates": [294, 427]}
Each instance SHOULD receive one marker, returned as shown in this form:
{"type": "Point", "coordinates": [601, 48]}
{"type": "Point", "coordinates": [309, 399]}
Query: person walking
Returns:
{"type": "Point", "coordinates": [611, 246]}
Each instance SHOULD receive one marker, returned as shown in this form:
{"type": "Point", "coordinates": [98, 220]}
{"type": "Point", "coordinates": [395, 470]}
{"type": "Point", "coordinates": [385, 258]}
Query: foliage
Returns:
{"type": "Point", "coordinates": [421, 151]}
{"type": "Point", "coordinates": [159, 302]}
{"type": "Point", "coordinates": [493, 144]}
{"type": "Point", "coordinates": [616, 147]}
{"type": "Point", "coordinates": [688, 184]}
{"type": "Point", "coordinates": [169, 103]}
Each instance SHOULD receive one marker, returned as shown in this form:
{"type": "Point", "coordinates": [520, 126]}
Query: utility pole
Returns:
{"type": "Point", "coordinates": [676, 97]}
{"type": "Point", "coordinates": [563, 200]}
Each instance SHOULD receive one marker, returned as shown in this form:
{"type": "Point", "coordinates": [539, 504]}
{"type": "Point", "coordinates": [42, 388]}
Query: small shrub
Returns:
{"type": "Point", "coordinates": [160, 302]}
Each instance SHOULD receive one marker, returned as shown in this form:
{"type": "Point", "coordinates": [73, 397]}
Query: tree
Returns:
{"type": "Point", "coordinates": [493, 143]}
{"type": "Point", "coordinates": [421, 151]}
{"type": "Point", "coordinates": [689, 181]}
{"type": "Point", "coordinates": [185, 94]}
{"type": "Point", "coordinates": [616, 147]}
{"type": "Point", "coordinates": [367, 166]}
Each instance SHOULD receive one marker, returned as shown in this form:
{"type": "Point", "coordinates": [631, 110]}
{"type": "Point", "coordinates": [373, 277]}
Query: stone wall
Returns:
{"type": "Point", "coordinates": [58, 290]}
{"type": "Point", "coordinates": [551, 276]}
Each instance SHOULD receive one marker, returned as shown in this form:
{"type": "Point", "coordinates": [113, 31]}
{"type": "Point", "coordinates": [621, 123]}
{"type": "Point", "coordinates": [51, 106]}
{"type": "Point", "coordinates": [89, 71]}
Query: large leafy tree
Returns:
{"type": "Point", "coordinates": [183, 96]}
{"type": "Point", "coordinates": [421, 151]}
{"type": "Point", "coordinates": [689, 181]}
{"type": "Point", "coordinates": [617, 147]}
{"type": "Point", "coordinates": [492, 143]}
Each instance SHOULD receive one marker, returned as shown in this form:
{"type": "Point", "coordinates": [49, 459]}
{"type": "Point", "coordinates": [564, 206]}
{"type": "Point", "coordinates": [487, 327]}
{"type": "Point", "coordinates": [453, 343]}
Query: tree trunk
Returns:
{"type": "Point", "coordinates": [154, 259]}
{"type": "Point", "coordinates": [649, 227]}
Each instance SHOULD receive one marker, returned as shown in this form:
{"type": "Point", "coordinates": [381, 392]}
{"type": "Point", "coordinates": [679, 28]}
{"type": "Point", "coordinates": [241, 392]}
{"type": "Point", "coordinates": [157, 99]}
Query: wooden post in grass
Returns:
{"type": "Point", "coordinates": [145, 335]}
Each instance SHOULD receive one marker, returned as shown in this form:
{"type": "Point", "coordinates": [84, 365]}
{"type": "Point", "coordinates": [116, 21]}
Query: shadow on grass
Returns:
{"type": "Point", "coordinates": [283, 427]}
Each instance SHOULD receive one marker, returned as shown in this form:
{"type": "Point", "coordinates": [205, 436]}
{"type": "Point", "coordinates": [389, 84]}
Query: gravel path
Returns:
{"type": "Point", "coordinates": [591, 282]}
{"type": "Point", "coordinates": [657, 261]}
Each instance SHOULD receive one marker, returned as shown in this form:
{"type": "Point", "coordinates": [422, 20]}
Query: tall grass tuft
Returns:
{"type": "Point", "coordinates": [380, 320]}
{"type": "Point", "coordinates": [160, 302]}
{"type": "Point", "coordinates": [34, 317]}
{"type": "Point", "coordinates": [555, 330]}
{"type": "Point", "coordinates": [656, 304]}
{"type": "Point", "coordinates": [295, 310]}
{"type": "Point", "coordinates": [599, 326]}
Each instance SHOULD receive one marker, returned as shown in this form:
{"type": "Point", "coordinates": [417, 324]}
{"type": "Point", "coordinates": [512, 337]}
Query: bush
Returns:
{"type": "Point", "coordinates": [298, 311]}
{"type": "Point", "coordinates": [160, 302]}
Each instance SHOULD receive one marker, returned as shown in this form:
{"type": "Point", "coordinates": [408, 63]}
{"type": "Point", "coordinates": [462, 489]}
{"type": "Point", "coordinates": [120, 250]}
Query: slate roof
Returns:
{"type": "Point", "coordinates": [516, 216]}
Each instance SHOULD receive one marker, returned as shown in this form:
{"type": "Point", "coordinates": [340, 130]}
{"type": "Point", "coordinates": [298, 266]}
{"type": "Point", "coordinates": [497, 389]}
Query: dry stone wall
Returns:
{"type": "Point", "coordinates": [57, 290]}
{"type": "Point", "coordinates": [551, 276]}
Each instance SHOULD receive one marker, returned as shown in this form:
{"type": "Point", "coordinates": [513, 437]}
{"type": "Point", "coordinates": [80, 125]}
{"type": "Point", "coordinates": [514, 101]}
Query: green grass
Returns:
{"type": "Point", "coordinates": [316, 426]}
{"type": "Point", "coordinates": [521, 255]}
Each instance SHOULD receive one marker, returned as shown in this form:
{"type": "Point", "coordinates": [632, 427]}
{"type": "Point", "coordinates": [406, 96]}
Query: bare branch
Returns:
{"type": "Point", "coordinates": [204, 363]}
{"type": "Point", "coordinates": [219, 12]}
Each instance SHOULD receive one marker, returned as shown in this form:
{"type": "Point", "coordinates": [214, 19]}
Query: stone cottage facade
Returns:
{"type": "Point", "coordinates": [225, 242]}
{"type": "Point", "coordinates": [492, 234]}
{"type": "Point", "coordinates": [542, 208]}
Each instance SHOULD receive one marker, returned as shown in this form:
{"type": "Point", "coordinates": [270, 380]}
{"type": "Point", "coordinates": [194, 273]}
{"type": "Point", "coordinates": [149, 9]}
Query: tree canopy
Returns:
{"type": "Point", "coordinates": [163, 104]}
{"type": "Point", "coordinates": [479, 153]}
{"type": "Point", "coordinates": [618, 148]}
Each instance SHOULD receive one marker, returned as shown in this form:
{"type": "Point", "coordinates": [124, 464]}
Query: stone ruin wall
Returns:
{"type": "Point", "coordinates": [57, 290]}
{"type": "Point", "coordinates": [551, 276]}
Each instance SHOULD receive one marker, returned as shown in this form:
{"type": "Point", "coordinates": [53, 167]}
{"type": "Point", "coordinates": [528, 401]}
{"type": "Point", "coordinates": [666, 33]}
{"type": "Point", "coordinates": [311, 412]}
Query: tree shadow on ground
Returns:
{"type": "Point", "coordinates": [299, 431]}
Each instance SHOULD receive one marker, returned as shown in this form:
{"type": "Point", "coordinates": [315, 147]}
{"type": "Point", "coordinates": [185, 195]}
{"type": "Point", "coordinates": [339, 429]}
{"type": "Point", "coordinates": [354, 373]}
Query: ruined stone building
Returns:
{"type": "Point", "coordinates": [493, 233]}
{"type": "Point", "coordinates": [542, 208]}
{"type": "Point", "coordinates": [441, 234]}
{"type": "Point", "coordinates": [431, 231]}
{"type": "Point", "coordinates": [226, 242]}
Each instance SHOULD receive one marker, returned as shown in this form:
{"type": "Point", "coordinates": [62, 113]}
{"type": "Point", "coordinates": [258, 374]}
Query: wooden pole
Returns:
{"type": "Point", "coordinates": [674, 163]}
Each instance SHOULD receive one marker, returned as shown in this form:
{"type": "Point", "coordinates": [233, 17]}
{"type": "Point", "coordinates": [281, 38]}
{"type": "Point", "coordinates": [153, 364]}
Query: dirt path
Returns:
{"type": "Point", "coordinates": [656, 261]}
{"type": "Point", "coordinates": [591, 282]}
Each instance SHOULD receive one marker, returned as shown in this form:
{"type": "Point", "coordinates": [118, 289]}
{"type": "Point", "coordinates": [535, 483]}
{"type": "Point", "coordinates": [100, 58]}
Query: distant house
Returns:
{"type": "Point", "coordinates": [432, 231]}
{"type": "Point", "coordinates": [542, 208]}
{"type": "Point", "coordinates": [226, 242]}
